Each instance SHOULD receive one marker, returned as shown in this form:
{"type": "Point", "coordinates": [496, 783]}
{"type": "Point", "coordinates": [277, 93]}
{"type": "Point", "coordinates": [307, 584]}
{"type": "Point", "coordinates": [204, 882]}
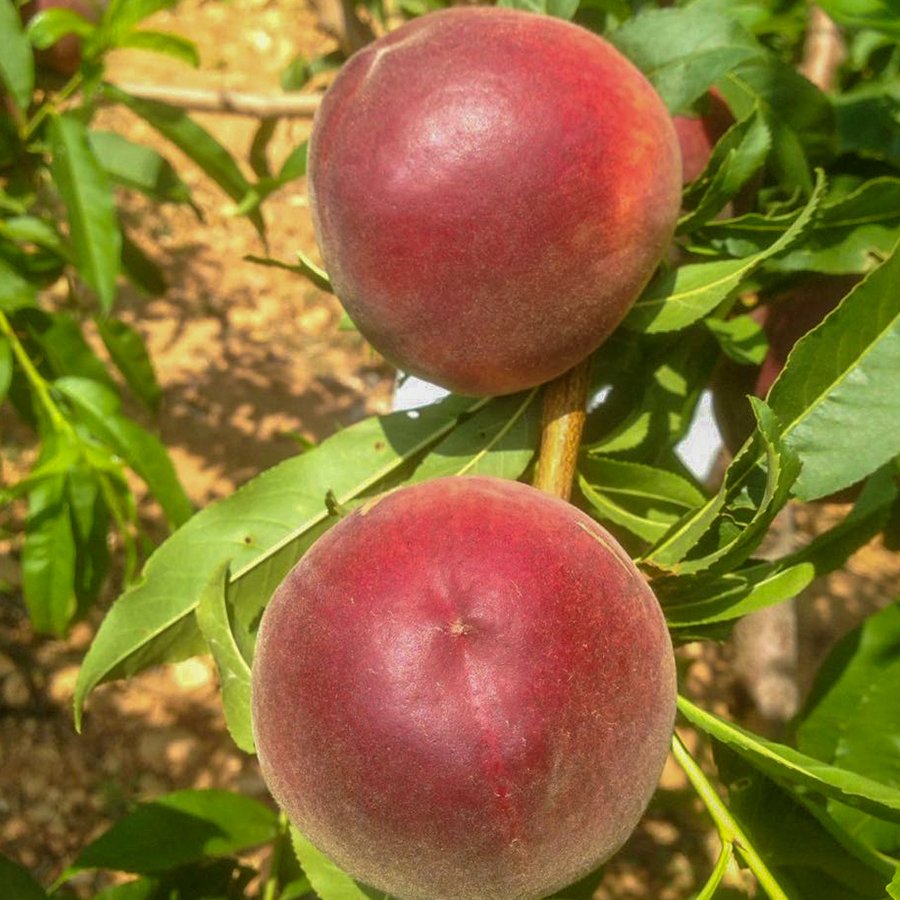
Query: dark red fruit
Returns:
{"type": "Point", "coordinates": [491, 189]}
{"type": "Point", "coordinates": [464, 690]}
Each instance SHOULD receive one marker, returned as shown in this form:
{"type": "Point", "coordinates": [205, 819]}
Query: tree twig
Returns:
{"type": "Point", "coordinates": [823, 51]}
{"type": "Point", "coordinates": [234, 103]}
{"type": "Point", "coordinates": [564, 412]}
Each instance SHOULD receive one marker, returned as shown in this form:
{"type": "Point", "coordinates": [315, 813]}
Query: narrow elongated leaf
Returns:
{"type": "Point", "coordinates": [737, 156]}
{"type": "Point", "coordinates": [100, 409]}
{"type": "Point", "coordinates": [50, 25]}
{"type": "Point", "coordinates": [185, 826]}
{"type": "Point", "coordinates": [16, 881]}
{"type": "Point", "coordinates": [677, 299]}
{"type": "Point", "coordinates": [16, 58]}
{"type": "Point", "coordinates": [836, 397]}
{"type": "Point", "coordinates": [498, 440]}
{"type": "Point", "coordinates": [740, 595]}
{"type": "Point", "coordinates": [139, 167]}
{"type": "Point", "coordinates": [125, 14]}
{"type": "Point", "coordinates": [48, 558]}
{"type": "Point", "coordinates": [799, 115]}
{"type": "Point", "coordinates": [327, 880]}
{"type": "Point", "coordinates": [643, 499]}
{"type": "Point", "coordinates": [90, 206]}
{"type": "Point", "coordinates": [880, 15]}
{"type": "Point", "coordinates": [683, 51]}
{"type": "Point", "coordinates": [805, 856]}
{"type": "Point", "coordinates": [15, 291]}
{"type": "Point", "coordinates": [6, 367]}
{"type": "Point", "coordinates": [194, 141]}
{"type": "Point", "coordinates": [129, 353]}
{"type": "Point", "coordinates": [728, 527]}
{"type": "Point", "coordinates": [851, 232]}
{"type": "Point", "coordinates": [167, 44]}
{"type": "Point", "coordinates": [154, 621]}
{"type": "Point", "coordinates": [32, 230]}
{"type": "Point", "coordinates": [867, 121]}
{"type": "Point", "coordinates": [234, 671]}
{"type": "Point", "coordinates": [741, 338]}
{"type": "Point", "coordinates": [852, 718]}
{"type": "Point", "coordinates": [788, 765]}
{"type": "Point", "coordinates": [90, 524]}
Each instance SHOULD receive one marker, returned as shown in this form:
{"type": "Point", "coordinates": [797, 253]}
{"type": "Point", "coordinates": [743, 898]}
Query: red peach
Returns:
{"type": "Point", "coordinates": [465, 689]}
{"type": "Point", "coordinates": [64, 57]}
{"type": "Point", "coordinates": [491, 189]}
{"type": "Point", "coordinates": [697, 135]}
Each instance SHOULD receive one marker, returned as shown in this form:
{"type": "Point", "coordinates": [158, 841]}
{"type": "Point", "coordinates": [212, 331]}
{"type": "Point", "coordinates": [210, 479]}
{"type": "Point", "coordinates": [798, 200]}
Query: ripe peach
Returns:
{"type": "Point", "coordinates": [64, 57]}
{"type": "Point", "coordinates": [490, 190]}
{"type": "Point", "coordinates": [465, 689]}
{"type": "Point", "coordinates": [697, 135]}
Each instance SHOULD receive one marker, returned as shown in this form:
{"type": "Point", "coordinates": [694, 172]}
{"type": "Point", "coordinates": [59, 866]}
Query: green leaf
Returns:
{"type": "Point", "coordinates": [129, 353]}
{"type": "Point", "coordinates": [16, 58]}
{"type": "Point", "coordinates": [50, 25]}
{"type": "Point", "coordinates": [167, 44]}
{"type": "Point", "coordinates": [6, 367]}
{"type": "Point", "coordinates": [121, 16]}
{"type": "Point", "coordinates": [295, 163]}
{"type": "Point", "coordinates": [15, 291]}
{"type": "Point", "coordinates": [17, 881]}
{"type": "Point", "coordinates": [194, 141]}
{"type": "Point", "coordinates": [742, 338]}
{"type": "Point", "coordinates": [262, 526]}
{"type": "Point", "coordinates": [643, 499]}
{"type": "Point", "coordinates": [48, 557]}
{"type": "Point", "coordinates": [788, 765]}
{"type": "Point", "coordinates": [178, 828]}
{"type": "Point", "coordinates": [234, 671]}
{"type": "Point", "coordinates": [139, 167]}
{"type": "Point", "coordinates": [736, 157]}
{"type": "Point", "coordinates": [90, 524]}
{"type": "Point", "coordinates": [562, 9]}
{"type": "Point", "coordinates": [867, 122]}
{"type": "Point", "coordinates": [32, 230]}
{"type": "Point", "coordinates": [852, 718]}
{"type": "Point", "coordinates": [683, 51]}
{"type": "Point", "coordinates": [730, 525]}
{"type": "Point", "coordinates": [795, 842]}
{"type": "Point", "coordinates": [851, 232]}
{"type": "Point", "coordinates": [90, 205]}
{"type": "Point", "coordinates": [220, 879]}
{"type": "Point", "coordinates": [676, 299]}
{"type": "Point", "coordinates": [500, 440]}
{"type": "Point", "coordinates": [100, 410]}
{"type": "Point", "coordinates": [880, 15]}
{"type": "Point", "coordinates": [327, 880]}
{"type": "Point", "coordinates": [836, 397]}
{"type": "Point", "coordinates": [735, 595]}
{"type": "Point", "coordinates": [799, 115]}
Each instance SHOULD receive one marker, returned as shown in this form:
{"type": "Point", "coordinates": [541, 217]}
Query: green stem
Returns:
{"type": "Point", "coordinates": [37, 381]}
{"type": "Point", "coordinates": [729, 830]}
{"type": "Point", "coordinates": [69, 88]}
{"type": "Point", "coordinates": [718, 873]}
{"type": "Point", "coordinates": [273, 883]}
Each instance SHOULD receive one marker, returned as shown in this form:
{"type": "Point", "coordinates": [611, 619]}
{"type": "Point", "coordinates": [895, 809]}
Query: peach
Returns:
{"type": "Point", "coordinates": [64, 57]}
{"type": "Point", "coordinates": [697, 135]}
{"type": "Point", "coordinates": [465, 689]}
{"type": "Point", "coordinates": [491, 189]}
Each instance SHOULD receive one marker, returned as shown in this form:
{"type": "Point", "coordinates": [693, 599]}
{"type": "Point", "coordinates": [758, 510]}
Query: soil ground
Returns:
{"type": "Point", "coordinates": [250, 359]}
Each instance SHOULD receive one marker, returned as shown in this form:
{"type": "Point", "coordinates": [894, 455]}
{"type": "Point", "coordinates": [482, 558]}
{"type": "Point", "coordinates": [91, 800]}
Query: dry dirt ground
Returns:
{"type": "Point", "coordinates": [249, 359]}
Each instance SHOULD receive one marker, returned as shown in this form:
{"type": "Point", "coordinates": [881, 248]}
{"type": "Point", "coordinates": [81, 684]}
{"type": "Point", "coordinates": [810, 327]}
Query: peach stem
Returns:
{"type": "Point", "coordinates": [564, 412]}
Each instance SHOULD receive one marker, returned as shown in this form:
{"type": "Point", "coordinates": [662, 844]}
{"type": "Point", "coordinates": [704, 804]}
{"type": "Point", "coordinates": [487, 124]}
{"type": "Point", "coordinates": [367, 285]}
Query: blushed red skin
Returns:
{"type": "Point", "coordinates": [465, 691]}
{"type": "Point", "coordinates": [697, 135]}
{"type": "Point", "coordinates": [491, 189]}
{"type": "Point", "coordinates": [64, 57]}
